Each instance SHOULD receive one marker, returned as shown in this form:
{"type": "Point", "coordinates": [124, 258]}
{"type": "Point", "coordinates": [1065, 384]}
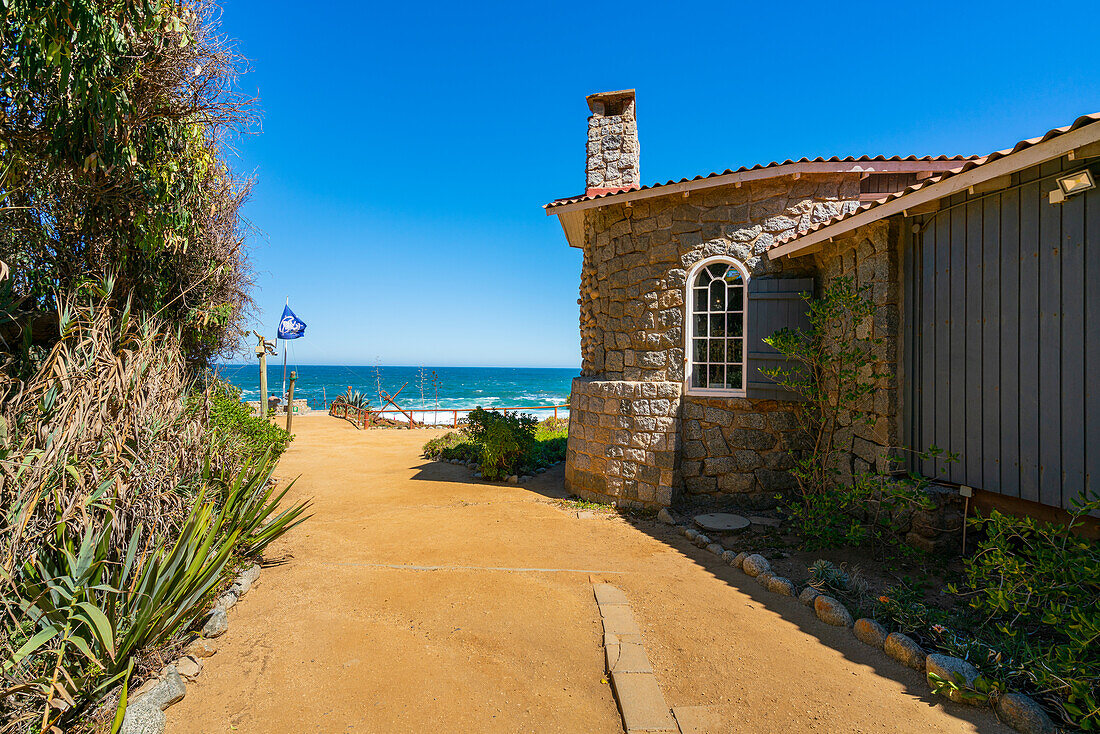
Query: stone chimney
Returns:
{"type": "Point", "coordinates": [612, 162]}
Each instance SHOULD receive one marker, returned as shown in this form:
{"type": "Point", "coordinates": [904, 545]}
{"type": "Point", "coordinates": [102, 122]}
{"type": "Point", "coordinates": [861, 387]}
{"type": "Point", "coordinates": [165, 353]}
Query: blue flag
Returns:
{"type": "Point", "coordinates": [290, 326]}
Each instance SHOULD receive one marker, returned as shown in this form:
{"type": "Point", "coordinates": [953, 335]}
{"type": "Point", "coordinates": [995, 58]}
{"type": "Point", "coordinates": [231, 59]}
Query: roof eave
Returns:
{"type": "Point", "coordinates": [1006, 165]}
{"type": "Point", "coordinates": [756, 174]}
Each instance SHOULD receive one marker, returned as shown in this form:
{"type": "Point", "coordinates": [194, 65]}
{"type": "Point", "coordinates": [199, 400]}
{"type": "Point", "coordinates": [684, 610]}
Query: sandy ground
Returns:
{"type": "Point", "coordinates": [419, 600]}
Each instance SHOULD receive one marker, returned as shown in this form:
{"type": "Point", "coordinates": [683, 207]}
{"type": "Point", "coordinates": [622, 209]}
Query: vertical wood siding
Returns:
{"type": "Point", "coordinates": [773, 304]}
{"type": "Point", "coordinates": [1003, 294]}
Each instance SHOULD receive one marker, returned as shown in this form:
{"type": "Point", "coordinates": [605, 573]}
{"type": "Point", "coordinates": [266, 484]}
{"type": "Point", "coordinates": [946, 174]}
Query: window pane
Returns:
{"type": "Point", "coordinates": [734, 351]}
{"type": "Point", "coordinates": [699, 376]}
{"type": "Point", "coordinates": [717, 324]}
{"type": "Point", "coordinates": [702, 279]}
{"type": "Point", "coordinates": [736, 297]}
{"type": "Point", "coordinates": [717, 269]}
{"type": "Point", "coordinates": [717, 375]}
{"type": "Point", "coordinates": [717, 350]}
{"type": "Point", "coordinates": [735, 374]}
{"type": "Point", "coordinates": [700, 299]}
{"type": "Point", "coordinates": [717, 296]}
{"type": "Point", "coordinates": [733, 275]}
{"type": "Point", "coordinates": [700, 326]}
{"type": "Point", "coordinates": [734, 322]}
{"type": "Point", "coordinates": [700, 352]}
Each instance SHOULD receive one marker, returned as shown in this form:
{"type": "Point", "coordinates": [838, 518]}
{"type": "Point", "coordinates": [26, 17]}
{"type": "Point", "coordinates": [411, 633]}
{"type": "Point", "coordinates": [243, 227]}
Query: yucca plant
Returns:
{"type": "Point", "coordinates": [249, 508]}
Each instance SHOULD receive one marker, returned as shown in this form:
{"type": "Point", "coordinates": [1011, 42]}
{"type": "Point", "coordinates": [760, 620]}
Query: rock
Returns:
{"type": "Point", "coordinates": [739, 559]}
{"type": "Point", "coordinates": [729, 557]}
{"type": "Point", "coordinates": [905, 650]}
{"type": "Point", "coordinates": [241, 587]}
{"type": "Point", "coordinates": [690, 534]}
{"type": "Point", "coordinates": [701, 540]}
{"type": "Point", "coordinates": [947, 668]}
{"type": "Point", "coordinates": [169, 689]}
{"type": "Point", "coordinates": [477, 475]}
{"type": "Point", "coordinates": [766, 521]}
{"type": "Point", "coordinates": [666, 517]}
{"type": "Point", "coordinates": [755, 564]}
{"type": "Point", "coordinates": [541, 470]}
{"type": "Point", "coordinates": [201, 648]}
{"type": "Point", "coordinates": [251, 574]}
{"type": "Point", "coordinates": [228, 599]}
{"type": "Point", "coordinates": [780, 585]}
{"type": "Point", "coordinates": [1024, 715]}
{"type": "Point", "coordinates": [764, 577]}
{"type": "Point", "coordinates": [143, 718]}
{"type": "Point", "coordinates": [870, 632]}
{"type": "Point", "coordinates": [831, 611]}
{"type": "Point", "coordinates": [189, 667]}
{"type": "Point", "coordinates": [721, 522]}
{"type": "Point", "coordinates": [513, 479]}
{"type": "Point", "coordinates": [808, 595]}
{"type": "Point", "coordinates": [716, 549]}
{"type": "Point", "coordinates": [217, 624]}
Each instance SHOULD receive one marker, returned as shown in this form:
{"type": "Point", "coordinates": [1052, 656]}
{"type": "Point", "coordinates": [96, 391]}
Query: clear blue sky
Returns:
{"type": "Point", "coordinates": [406, 148]}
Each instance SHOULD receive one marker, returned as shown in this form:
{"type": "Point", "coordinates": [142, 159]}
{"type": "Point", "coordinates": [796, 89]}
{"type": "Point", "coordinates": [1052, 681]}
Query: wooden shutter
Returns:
{"type": "Point", "coordinates": [774, 303]}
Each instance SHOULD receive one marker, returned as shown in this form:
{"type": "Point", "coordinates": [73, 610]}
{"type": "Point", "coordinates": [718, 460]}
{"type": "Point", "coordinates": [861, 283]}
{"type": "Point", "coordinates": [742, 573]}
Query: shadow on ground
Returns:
{"type": "Point", "coordinates": [841, 640]}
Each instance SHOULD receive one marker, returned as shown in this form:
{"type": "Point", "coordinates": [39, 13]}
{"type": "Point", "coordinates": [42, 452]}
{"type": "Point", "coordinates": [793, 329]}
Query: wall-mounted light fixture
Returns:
{"type": "Point", "coordinates": [1074, 183]}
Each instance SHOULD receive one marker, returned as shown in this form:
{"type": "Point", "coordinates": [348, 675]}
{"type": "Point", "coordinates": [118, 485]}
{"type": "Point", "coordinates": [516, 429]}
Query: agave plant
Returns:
{"type": "Point", "coordinates": [354, 399]}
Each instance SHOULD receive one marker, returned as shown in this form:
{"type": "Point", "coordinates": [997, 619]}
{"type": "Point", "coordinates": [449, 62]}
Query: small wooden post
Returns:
{"type": "Point", "coordinates": [555, 412]}
{"type": "Point", "coordinates": [261, 352]}
{"type": "Point", "coordinates": [290, 401]}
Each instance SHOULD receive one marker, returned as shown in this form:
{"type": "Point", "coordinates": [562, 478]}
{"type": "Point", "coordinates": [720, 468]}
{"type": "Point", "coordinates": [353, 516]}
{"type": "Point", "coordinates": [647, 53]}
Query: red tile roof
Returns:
{"type": "Point", "coordinates": [967, 166]}
{"type": "Point", "coordinates": [602, 193]}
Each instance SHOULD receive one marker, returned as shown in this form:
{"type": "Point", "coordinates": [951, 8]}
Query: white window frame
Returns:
{"type": "Point", "coordinates": [689, 328]}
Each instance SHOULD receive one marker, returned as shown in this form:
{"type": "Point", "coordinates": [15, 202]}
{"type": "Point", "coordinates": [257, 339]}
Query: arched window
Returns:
{"type": "Point", "coordinates": [716, 327]}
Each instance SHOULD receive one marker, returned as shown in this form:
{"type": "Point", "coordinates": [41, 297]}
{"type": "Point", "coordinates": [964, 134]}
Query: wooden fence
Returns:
{"type": "Point", "coordinates": [366, 418]}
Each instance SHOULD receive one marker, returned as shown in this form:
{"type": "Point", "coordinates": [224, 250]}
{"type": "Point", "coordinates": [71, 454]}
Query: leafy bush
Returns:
{"type": "Point", "coordinates": [245, 436]}
{"type": "Point", "coordinates": [122, 513]}
{"type": "Point", "coordinates": [513, 444]}
{"type": "Point", "coordinates": [505, 440]}
{"type": "Point", "coordinates": [1036, 587]}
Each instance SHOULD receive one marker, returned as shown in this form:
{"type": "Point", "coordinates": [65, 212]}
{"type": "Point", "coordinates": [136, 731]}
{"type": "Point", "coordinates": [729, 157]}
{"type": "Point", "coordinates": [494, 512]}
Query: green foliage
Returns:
{"type": "Point", "coordinates": [513, 444]}
{"type": "Point", "coordinates": [353, 398]}
{"type": "Point", "coordinates": [505, 439]}
{"type": "Point", "coordinates": [834, 372]}
{"type": "Point", "coordinates": [246, 437]}
{"type": "Point", "coordinates": [1036, 587]}
{"type": "Point", "coordinates": [113, 117]}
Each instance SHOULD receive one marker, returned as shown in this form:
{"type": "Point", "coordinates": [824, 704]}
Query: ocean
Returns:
{"type": "Point", "coordinates": [456, 387]}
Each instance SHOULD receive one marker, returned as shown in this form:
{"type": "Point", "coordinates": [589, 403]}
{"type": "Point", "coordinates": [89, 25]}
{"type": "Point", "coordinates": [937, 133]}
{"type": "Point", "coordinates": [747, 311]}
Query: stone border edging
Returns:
{"type": "Point", "coordinates": [639, 697]}
{"type": "Point", "coordinates": [1016, 710]}
{"type": "Point", "coordinates": [146, 706]}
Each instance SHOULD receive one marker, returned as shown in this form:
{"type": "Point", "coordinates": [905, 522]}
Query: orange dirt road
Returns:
{"type": "Point", "coordinates": [420, 600]}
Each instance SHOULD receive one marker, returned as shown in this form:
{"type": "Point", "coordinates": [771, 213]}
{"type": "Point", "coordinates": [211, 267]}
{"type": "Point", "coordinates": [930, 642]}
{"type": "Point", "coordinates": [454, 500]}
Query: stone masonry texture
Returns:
{"type": "Point", "coordinates": [634, 435]}
{"type": "Point", "coordinates": [612, 159]}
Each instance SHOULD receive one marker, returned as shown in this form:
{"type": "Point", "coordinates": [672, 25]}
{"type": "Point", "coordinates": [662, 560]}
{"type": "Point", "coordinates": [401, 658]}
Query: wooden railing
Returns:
{"type": "Point", "coordinates": [365, 417]}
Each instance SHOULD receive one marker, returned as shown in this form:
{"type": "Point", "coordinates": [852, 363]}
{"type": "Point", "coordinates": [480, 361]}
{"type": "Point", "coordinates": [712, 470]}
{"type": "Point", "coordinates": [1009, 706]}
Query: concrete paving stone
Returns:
{"type": "Point", "coordinates": [608, 594]}
{"type": "Point", "coordinates": [631, 658]}
{"type": "Point", "coordinates": [618, 620]}
{"type": "Point", "coordinates": [700, 720]}
{"type": "Point", "coordinates": [641, 703]}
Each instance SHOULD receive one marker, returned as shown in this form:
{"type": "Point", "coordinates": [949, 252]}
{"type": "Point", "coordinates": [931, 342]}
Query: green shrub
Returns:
{"type": "Point", "coordinates": [502, 444]}
{"type": "Point", "coordinates": [505, 440]}
{"type": "Point", "coordinates": [1036, 589]}
{"type": "Point", "coordinates": [249, 437]}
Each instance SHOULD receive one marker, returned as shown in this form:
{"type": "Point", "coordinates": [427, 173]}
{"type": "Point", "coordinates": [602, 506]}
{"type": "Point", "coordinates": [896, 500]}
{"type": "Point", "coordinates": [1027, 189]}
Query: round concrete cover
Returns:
{"type": "Point", "coordinates": [721, 522]}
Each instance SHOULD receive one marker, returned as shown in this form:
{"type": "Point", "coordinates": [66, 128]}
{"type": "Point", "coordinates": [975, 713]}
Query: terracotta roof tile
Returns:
{"type": "Point", "coordinates": [761, 166]}
{"type": "Point", "coordinates": [967, 166]}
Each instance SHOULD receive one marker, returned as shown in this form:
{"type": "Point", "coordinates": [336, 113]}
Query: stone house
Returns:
{"type": "Point", "coordinates": [682, 281]}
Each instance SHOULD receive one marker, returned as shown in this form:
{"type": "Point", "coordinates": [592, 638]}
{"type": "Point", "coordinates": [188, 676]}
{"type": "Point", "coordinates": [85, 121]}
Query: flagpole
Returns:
{"type": "Point", "coordinates": [284, 359]}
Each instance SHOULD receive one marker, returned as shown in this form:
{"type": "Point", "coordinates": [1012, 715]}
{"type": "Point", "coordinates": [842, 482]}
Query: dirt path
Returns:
{"type": "Point", "coordinates": [418, 600]}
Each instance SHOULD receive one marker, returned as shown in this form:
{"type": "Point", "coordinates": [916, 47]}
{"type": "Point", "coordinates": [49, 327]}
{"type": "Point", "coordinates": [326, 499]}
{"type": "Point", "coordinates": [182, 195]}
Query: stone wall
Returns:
{"type": "Point", "coordinates": [613, 150]}
{"type": "Point", "coordinates": [633, 279]}
{"type": "Point", "coordinates": [870, 257]}
{"type": "Point", "coordinates": [636, 260]}
{"type": "Point", "coordinates": [736, 445]}
{"type": "Point", "coordinates": [623, 441]}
